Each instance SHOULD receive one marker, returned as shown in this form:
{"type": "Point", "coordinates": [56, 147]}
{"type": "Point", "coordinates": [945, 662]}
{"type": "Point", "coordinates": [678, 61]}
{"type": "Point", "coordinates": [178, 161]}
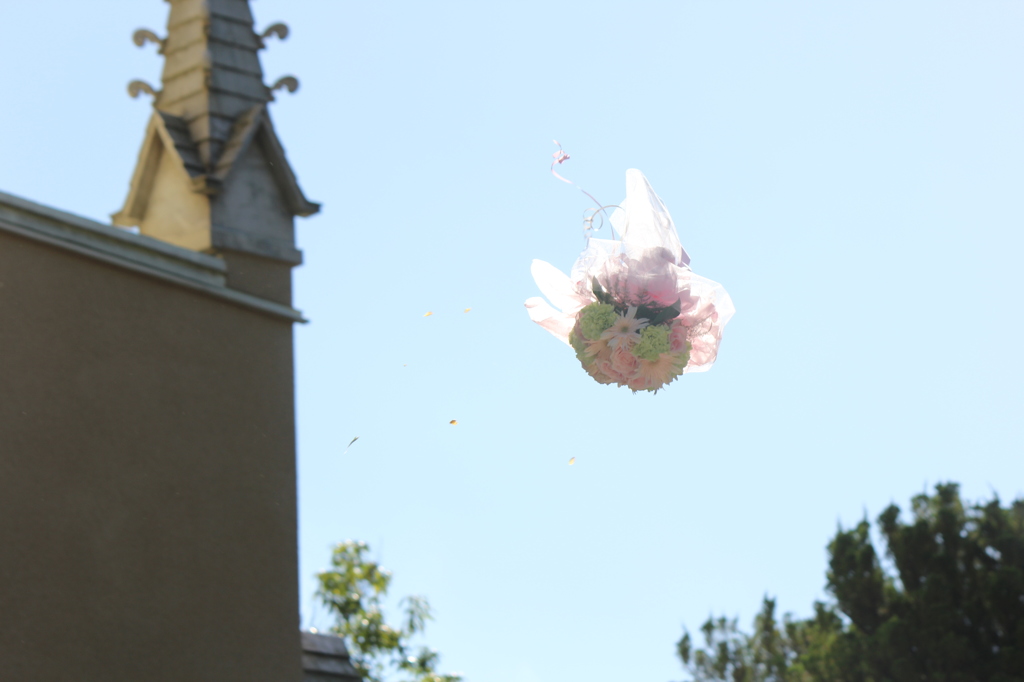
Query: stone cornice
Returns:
{"type": "Point", "coordinates": [139, 253]}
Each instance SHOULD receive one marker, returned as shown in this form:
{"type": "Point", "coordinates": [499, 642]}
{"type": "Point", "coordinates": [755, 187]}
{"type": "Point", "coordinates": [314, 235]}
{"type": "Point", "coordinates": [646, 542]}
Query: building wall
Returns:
{"type": "Point", "coordinates": [147, 478]}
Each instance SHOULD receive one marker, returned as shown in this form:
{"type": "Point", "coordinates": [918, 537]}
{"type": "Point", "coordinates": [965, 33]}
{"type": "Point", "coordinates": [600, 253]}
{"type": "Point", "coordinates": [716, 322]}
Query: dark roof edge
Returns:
{"type": "Point", "coordinates": [139, 253]}
{"type": "Point", "coordinates": [325, 657]}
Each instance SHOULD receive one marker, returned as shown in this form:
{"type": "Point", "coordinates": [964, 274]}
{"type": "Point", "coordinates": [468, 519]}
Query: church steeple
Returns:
{"type": "Point", "coordinates": [212, 175]}
{"type": "Point", "coordinates": [211, 70]}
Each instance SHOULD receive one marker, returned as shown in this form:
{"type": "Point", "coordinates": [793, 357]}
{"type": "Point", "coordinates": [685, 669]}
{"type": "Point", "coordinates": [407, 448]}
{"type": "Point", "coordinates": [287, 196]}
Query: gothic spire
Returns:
{"type": "Point", "coordinates": [212, 175]}
{"type": "Point", "coordinates": [211, 71]}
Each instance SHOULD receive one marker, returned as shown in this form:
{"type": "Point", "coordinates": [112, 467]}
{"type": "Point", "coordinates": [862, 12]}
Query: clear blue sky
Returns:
{"type": "Point", "coordinates": [851, 172]}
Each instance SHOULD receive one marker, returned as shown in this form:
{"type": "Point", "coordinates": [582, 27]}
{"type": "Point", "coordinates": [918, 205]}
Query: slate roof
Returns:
{"type": "Point", "coordinates": [211, 71]}
{"type": "Point", "coordinates": [177, 132]}
{"type": "Point", "coordinates": [325, 659]}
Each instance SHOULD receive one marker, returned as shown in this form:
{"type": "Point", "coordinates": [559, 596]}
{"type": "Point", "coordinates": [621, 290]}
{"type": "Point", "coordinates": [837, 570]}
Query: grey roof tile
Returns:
{"type": "Point", "coordinates": [325, 658]}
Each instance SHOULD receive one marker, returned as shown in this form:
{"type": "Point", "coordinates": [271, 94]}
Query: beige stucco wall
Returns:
{"type": "Point", "coordinates": [147, 478]}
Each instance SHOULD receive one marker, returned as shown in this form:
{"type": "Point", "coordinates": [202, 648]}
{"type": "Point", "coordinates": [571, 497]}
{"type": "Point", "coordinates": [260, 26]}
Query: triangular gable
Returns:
{"type": "Point", "coordinates": [171, 134]}
{"type": "Point", "coordinates": [164, 133]}
{"type": "Point", "coordinates": [255, 124]}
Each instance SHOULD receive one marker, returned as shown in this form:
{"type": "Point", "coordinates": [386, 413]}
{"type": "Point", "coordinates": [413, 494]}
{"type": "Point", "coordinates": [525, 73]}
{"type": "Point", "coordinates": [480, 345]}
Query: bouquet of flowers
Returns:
{"type": "Point", "coordinates": [632, 309]}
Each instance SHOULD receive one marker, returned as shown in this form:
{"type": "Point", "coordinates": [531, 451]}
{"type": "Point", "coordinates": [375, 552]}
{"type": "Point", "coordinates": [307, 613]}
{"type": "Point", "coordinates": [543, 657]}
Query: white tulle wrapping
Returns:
{"type": "Point", "coordinates": [647, 266]}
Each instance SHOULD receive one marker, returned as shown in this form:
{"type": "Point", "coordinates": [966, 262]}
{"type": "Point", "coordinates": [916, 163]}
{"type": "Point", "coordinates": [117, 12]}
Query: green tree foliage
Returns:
{"type": "Point", "coordinates": [952, 610]}
{"type": "Point", "coordinates": [352, 590]}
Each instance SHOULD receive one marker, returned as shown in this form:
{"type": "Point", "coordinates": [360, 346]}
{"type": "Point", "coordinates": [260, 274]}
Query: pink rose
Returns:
{"type": "Point", "coordinates": [606, 371]}
{"type": "Point", "coordinates": [640, 383]}
{"type": "Point", "coordinates": [605, 367]}
{"type": "Point", "coordinates": [677, 337]}
{"type": "Point", "coordinates": [598, 375]}
{"type": "Point", "coordinates": [625, 363]}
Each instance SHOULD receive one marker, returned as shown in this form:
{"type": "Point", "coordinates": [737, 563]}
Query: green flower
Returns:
{"type": "Point", "coordinates": [580, 346]}
{"type": "Point", "coordinates": [595, 318]}
{"type": "Point", "coordinates": [653, 342]}
{"type": "Point", "coordinates": [684, 357]}
{"type": "Point", "coordinates": [576, 342]}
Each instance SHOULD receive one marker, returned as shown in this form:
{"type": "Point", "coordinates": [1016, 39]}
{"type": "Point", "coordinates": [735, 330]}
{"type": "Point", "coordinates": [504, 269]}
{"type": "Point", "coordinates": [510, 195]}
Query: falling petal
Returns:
{"type": "Point", "coordinates": [350, 444]}
{"type": "Point", "coordinates": [427, 314]}
{"type": "Point", "coordinates": [467, 310]}
{"type": "Point", "coordinates": [454, 422]}
{"type": "Point", "coordinates": [572, 460]}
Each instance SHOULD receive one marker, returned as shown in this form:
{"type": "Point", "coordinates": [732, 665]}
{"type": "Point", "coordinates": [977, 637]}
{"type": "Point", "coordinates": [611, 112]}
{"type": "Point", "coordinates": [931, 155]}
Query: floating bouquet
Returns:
{"type": "Point", "coordinates": [631, 308]}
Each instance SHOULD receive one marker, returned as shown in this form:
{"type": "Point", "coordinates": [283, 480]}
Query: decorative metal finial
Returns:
{"type": "Point", "coordinates": [278, 29]}
{"type": "Point", "coordinates": [290, 83]}
{"type": "Point", "coordinates": [135, 88]}
{"type": "Point", "coordinates": [144, 35]}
